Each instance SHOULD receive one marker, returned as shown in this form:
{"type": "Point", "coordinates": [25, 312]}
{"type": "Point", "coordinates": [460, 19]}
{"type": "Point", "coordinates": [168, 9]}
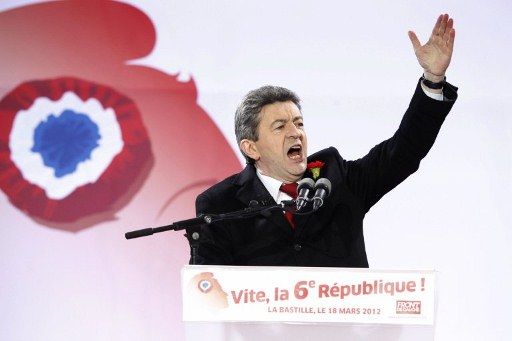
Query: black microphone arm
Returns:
{"type": "Point", "coordinates": [249, 212]}
{"type": "Point", "coordinates": [179, 225]}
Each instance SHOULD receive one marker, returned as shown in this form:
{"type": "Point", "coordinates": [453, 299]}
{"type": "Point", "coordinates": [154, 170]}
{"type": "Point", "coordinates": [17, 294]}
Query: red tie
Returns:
{"type": "Point", "coordinates": [291, 190]}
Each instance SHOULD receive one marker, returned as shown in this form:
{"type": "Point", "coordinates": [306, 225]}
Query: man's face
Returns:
{"type": "Point", "coordinates": [281, 149]}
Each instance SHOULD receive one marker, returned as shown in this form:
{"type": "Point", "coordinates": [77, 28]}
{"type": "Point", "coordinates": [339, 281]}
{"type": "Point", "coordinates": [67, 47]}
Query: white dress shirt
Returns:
{"type": "Point", "coordinates": [435, 96]}
{"type": "Point", "coordinates": [273, 187]}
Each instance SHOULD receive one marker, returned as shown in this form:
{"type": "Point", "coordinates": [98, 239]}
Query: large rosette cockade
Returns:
{"type": "Point", "coordinates": [69, 147]}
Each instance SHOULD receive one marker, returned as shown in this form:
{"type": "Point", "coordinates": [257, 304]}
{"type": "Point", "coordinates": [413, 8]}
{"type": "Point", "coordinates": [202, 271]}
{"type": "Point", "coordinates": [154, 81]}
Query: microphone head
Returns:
{"type": "Point", "coordinates": [324, 184]}
{"type": "Point", "coordinates": [305, 183]}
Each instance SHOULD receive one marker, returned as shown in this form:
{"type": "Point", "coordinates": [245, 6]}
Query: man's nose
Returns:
{"type": "Point", "coordinates": [294, 132]}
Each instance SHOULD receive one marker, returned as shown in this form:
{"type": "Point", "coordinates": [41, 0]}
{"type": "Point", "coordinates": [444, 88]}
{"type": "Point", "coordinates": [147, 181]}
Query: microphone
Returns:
{"type": "Point", "coordinates": [322, 190]}
{"type": "Point", "coordinates": [303, 187]}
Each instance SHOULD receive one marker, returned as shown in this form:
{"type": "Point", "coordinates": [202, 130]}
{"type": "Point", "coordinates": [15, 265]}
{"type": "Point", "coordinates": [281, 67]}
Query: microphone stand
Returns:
{"type": "Point", "coordinates": [194, 224]}
{"type": "Point", "coordinates": [287, 205]}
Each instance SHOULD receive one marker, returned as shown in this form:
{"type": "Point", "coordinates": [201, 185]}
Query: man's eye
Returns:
{"type": "Point", "coordinates": [279, 127]}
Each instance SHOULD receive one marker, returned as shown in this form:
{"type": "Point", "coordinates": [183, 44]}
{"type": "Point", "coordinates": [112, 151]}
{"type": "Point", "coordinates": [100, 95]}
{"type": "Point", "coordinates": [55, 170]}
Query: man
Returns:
{"type": "Point", "coordinates": [270, 133]}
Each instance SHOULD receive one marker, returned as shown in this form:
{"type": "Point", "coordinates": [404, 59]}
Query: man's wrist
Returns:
{"type": "Point", "coordinates": [433, 83]}
{"type": "Point", "coordinates": [433, 77]}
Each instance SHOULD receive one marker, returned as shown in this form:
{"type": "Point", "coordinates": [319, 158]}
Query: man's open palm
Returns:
{"type": "Point", "coordinates": [436, 54]}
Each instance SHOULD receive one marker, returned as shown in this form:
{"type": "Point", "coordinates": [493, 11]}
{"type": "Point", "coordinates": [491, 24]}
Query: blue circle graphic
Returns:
{"type": "Point", "coordinates": [65, 141]}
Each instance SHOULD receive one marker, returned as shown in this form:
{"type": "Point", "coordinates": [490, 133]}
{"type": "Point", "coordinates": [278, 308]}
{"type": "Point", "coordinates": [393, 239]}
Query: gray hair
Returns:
{"type": "Point", "coordinates": [247, 115]}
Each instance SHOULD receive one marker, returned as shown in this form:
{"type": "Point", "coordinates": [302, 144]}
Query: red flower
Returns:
{"type": "Point", "coordinates": [314, 167]}
{"type": "Point", "coordinates": [315, 164]}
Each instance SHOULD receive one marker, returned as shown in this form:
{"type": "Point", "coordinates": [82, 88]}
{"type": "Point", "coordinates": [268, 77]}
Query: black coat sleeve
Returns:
{"type": "Point", "coordinates": [392, 161]}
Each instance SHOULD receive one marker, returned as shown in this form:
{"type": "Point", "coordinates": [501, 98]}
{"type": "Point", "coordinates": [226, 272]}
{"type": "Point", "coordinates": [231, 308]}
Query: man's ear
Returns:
{"type": "Point", "coordinates": [249, 148]}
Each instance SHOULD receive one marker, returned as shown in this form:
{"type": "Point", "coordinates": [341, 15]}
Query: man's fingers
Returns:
{"type": "Point", "coordinates": [442, 26]}
{"type": "Point", "coordinates": [451, 39]}
{"type": "Point", "coordinates": [437, 25]}
{"type": "Point", "coordinates": [414, 40]}
{"type": "Point", "coordinates": [449, 26]}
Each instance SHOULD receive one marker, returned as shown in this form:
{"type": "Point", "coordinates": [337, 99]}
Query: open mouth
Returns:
{"type": "Point", "coordinates": [295, 152]}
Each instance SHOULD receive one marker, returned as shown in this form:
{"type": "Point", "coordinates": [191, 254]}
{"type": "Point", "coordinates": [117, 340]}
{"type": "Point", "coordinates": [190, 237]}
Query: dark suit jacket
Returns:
{"type": "Point", "coordinates": [332, 236]}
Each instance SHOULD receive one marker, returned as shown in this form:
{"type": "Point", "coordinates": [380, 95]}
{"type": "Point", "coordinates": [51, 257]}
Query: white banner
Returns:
{"type": "Point", "coordinates": [263, 294]}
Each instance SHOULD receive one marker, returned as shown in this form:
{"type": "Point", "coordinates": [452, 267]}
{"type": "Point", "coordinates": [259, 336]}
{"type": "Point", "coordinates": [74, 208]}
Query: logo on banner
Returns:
{"type": "Point", "coordinates": [72, 148]}
{"type": "Point", "coordinates": [408, 307]}
{"type": "Point", "coordinates": [207, 291]}
{"type": "Point", "coordinates": [205, 285]}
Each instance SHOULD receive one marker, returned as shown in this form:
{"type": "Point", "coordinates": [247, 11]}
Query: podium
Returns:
{"type": "Point", "coordinates": [294, 303]}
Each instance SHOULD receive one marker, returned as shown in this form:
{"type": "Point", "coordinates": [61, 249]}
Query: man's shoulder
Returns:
{"type": "Point", "coordinates": [335, 166]}
{"type": "Point", "coordinates": [228, 187]}
{"type": "Point", "coordinates": [327, 154]}
{"type": "Point", "coordinates": [222, 188]}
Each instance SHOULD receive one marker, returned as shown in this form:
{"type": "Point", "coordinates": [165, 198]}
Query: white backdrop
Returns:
{"type": "Point", "coordinates": [353, 66]}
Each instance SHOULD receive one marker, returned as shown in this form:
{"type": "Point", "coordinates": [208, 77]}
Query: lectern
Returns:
{"type": "Point", "coordinates": [293, 303]}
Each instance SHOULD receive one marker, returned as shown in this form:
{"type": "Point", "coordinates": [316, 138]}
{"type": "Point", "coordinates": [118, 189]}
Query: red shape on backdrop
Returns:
{"type": "Point", "coordinates": [94, 40]}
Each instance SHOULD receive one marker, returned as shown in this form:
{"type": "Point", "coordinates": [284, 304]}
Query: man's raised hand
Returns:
{"type": "Point", "coordinates": [436, 54]}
